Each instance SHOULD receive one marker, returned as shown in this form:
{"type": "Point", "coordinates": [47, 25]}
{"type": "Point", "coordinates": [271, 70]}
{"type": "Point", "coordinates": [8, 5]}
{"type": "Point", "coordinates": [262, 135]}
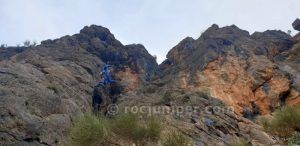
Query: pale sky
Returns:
{"type": "Point", "coordinates": [157, 24]}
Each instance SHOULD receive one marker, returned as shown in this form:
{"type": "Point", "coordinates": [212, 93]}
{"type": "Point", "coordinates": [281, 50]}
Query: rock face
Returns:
{"type": "Point", "coordinates": [254, 74]}
{"type": "Point", "coordinates": [288, 62]}
{"type": "Point", "coordinates": [222, 76]}
{"type": "Point", "coordinates": [296, 24]}
{"type": "Point", "coordinates": [7, 52]}
{"type": "Point", "coordinates": [232, 66]}
{"type": "Point", "coordinates": [44, 88]}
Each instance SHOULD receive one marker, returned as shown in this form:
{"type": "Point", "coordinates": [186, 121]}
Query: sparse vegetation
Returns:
{"type": "Point", "coordinates": [155, 57]}
{"type": "Point", "coordinates": [3, 46]}
{"type": "Point", "coordinates": [294, 140]}
{"type": "Point", "coordinates": [175, 138]}
{"type": "Point", "coordinates": [239, 142]}
{"type": "Point", "coordinates": [28, 43]}
{"type": "Point", "coordinates": [285, 122]}
{"type": "Point", "coordinates": [289, 32]}
{"type": "Point", "coordinates": [126, 126]}
{"type": "Point", "coordinates": [153, 129]}
{"type": "Point", "coordinates": [130, 128]}
{"type": "Point", "coordinates": [138, 131]}
{"type": "Point", "coordinates": [90, 131]}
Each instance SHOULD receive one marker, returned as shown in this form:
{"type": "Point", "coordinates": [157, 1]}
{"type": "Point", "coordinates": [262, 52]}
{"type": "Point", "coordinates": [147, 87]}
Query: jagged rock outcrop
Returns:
{"type": "Point", "coordinates": [234, 66]}
{"type": "Point", "coordinates": [288, 62]}
{"type": "Point", "coordinates": [7, 52]}
{"type": "Point", "coordinates": [237, 69]}
{"type": "Point", "coordinates": [45, 88]}
{"type": "Point", "coordinates": [296, 24]}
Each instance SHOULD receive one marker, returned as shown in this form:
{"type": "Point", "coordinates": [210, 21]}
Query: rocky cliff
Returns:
{"type": "Point", "coordinates": [43, 89]}
{"type": "Point", "coordinates": [235, 67]}
{"type": "Point", "coordinates": [255, 74]}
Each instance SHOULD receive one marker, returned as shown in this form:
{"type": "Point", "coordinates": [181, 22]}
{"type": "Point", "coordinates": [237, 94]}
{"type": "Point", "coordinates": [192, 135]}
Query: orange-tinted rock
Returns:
{"type": "Point", "coordinates": [233, 66]}
{"type": "Point", "coordinates": [227, 80]}
{"type": "Point", "coordinates": [293, 98]}
{"type": "Point", "coordinates": [262, 100]}
{"type": "Point", "coordinates": [129, 79]}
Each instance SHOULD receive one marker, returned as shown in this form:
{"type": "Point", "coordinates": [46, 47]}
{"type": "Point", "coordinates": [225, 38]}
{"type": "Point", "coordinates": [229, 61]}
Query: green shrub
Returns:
{"type": "Point", "coordinates": [294, 140]}
{"type": "Point", "coordinates": [139, 131]}
{"type": "Point", "coordinates": [285, 121]}
{"type": "Point", "coordinates": [125, 125]}
{"type": "Point", "coordinates": [239, 142]}
{"type": "Point", "coordinates": [153, 129]}
{"type": "Point", "coordinates": [175, 139]}
{"type": "Point", "coordinates": [90, 131]}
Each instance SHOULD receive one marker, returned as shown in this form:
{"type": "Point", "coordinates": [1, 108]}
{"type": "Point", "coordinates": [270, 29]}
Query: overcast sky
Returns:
{"type": "Point", "coordinates": [157, 24]}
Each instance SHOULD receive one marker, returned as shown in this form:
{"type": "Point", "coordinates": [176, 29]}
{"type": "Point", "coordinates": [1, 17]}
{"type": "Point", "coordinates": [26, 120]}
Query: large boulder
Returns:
{"type": "Point", "coordinates": [296, 24]}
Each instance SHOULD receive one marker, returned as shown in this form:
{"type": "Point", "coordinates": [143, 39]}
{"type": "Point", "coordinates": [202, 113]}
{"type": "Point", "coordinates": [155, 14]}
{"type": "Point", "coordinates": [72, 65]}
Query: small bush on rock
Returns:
{"type": "Point", "coordinates": [139, 131]}
{"type": "Point", "coordinates": [285, 121]}
{"type": "Point", "coordinates": [239, 142]}
{"type": "Point", "coordinates": [90, 131]}
{"type": "Point", "coordinates": [294, 140]}
{"type": "Point", "coordinates": [175, 139]}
